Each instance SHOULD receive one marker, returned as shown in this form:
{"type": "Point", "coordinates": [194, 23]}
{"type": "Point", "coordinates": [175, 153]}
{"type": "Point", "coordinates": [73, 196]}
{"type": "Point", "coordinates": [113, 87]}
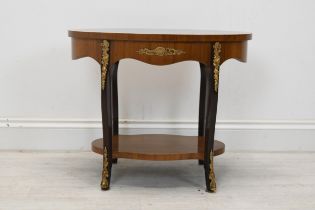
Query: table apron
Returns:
{"type": "Point", "coordinates": [158, 53]}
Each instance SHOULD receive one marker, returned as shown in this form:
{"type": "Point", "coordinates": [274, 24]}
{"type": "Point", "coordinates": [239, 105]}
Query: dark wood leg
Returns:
{"type": "Point", "coordinates": [202, 106]}
{"type": "Point", "coordinates": [210, 115]}
{"type": "Point", "coordinates": [106, 73]}
{"type": "Point", "coordinates": [115, 109]}
{"type": "Point", "coordinates": [211, 101]}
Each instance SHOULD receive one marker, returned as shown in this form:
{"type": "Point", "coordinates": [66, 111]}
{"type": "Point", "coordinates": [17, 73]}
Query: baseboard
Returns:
{"type": "Point", "coordinates": [76, 134]}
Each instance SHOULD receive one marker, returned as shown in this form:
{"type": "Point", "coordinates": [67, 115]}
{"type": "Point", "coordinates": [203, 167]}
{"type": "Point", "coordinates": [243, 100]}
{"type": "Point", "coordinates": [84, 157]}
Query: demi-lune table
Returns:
{"type": "Point", "coordinates": [159, 47]}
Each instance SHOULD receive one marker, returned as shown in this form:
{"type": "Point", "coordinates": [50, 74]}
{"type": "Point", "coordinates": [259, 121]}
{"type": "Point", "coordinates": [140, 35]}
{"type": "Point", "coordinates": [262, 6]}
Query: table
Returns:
{"type": "Point", "coordinates": [159, 47]}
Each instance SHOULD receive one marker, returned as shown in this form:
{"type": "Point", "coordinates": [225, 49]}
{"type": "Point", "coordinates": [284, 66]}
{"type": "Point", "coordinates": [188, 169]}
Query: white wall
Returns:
{"type": "Point", "coordinates": [48, 101]}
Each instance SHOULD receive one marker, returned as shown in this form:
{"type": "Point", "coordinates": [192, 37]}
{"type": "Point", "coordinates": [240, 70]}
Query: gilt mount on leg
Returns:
{"type": "Point", "coordinates": [105, 173]}
{"type": "Point", "coordinates": [216, 64]}
{"type": "Point", "coordinates": [213, 185]}
{"type": "Point", "coordinates": [104, 62]}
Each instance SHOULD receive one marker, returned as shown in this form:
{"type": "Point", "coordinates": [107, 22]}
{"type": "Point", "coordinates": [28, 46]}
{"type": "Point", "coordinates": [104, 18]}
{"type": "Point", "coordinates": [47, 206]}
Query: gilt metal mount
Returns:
{"type": "Point", "coordinates": [216, 64]}
{"type": "Point", "coordinates": [105, 173]}
{"type": "Point", "coordinates": [104, 62]}
{"type": "Point", "coordinates": [160, 51]}
{"type": "Point", "coordinates": [213, 185]}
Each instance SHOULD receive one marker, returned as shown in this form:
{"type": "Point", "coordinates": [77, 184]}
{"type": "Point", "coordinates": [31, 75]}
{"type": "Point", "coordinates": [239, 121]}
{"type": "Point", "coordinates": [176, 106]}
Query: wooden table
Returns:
{"type": "Point", "coordinates": [158, 47]}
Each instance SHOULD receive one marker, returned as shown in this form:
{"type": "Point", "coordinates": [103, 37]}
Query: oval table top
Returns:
{"type": "Point", "coordinates": [161, 35]}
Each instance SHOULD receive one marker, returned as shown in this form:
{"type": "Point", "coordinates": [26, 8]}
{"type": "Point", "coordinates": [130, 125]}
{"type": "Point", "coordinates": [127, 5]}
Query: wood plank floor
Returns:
{"type": "Point", "coordinates": [70, 181]}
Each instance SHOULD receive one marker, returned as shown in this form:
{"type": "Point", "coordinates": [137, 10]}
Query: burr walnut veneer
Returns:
{"type": "Point", "coordinates": [159, 47]}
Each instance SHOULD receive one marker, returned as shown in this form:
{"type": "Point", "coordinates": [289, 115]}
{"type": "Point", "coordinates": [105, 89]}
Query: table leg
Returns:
{"type": "Point", "coordinates": [115, 108]}
{"type": "Point", "coordinates": [212, 78]}
{"type": "Point", "coordinates": [107, 122]}
{"type": "Point", "coordinates": [210, 115]}
{"type": "Point", "coordinates": [202, 106]}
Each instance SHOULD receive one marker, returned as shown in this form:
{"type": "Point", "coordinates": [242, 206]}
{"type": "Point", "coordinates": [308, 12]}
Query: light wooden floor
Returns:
{"type": "Point", "coordinates": [70, 181]}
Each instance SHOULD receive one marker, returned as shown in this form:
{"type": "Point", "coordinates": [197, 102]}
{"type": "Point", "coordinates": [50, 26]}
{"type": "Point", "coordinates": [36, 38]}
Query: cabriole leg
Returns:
{"type": "Point", "coordinates": [115, 108]}
{"type": "Point", "coordinates": [202, 107]}
{"type": "Point", "coordinates": [106, 80]}
{"type": "Point", "coordinates": [212, 75]}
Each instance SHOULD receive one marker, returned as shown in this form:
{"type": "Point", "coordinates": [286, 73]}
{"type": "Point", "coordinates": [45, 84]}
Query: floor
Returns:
{"type": "Point", "coordinates": [70, 181]}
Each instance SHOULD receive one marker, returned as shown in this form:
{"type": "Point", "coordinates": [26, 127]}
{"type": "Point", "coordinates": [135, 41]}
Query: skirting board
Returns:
{"type": "Point", "coordinates": [76, 134]}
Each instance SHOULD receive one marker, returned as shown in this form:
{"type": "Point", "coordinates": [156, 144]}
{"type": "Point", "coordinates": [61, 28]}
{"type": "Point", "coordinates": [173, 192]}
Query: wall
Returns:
{"type": "Point", "coordinates": [49, 101]}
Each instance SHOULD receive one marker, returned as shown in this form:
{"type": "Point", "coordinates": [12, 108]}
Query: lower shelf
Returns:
{"type": "Point", "coordinates": [157, 147]}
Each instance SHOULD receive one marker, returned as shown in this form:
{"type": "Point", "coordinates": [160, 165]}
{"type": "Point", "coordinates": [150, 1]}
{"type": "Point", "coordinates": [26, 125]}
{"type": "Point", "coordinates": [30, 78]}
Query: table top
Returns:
{"type": "Point", "coordinates": [160, 35]}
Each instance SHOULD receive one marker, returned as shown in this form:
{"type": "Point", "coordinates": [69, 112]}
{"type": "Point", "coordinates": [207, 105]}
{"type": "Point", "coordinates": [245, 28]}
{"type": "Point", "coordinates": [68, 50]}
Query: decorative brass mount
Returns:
{"type": "Point", "coordinates": [216, 64]}
{"type": "Point", "coordinates": [104, 62]}
{"type": "Point", "coordinates": [105, 173]}
{"type": "Point", "coordinates": [160, 51]}
{"type": "Point", "coordinates": [213, 185]}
